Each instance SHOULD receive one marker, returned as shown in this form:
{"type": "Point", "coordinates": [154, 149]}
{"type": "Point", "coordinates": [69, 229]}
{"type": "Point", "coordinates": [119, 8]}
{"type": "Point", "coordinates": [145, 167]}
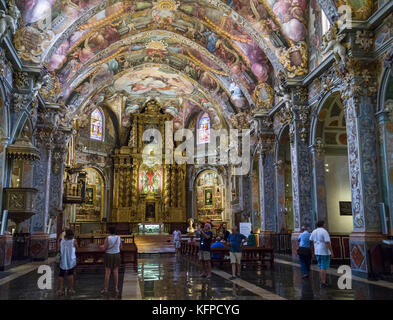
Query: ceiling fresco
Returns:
{"type": "Point", "coordinates": [232, 49]}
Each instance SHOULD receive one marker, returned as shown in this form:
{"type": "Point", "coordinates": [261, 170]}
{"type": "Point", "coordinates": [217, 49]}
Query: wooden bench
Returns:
{"type": "Point", "coordinates": [89, 252]}
{"type": "Point", "coordinates": [250, 255]}
{"type": "Point", "coordinates": [92, 254]}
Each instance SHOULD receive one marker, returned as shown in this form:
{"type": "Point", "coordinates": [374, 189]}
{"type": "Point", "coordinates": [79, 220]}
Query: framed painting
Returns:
{"type": "Point", "coordinates": [208, 197]}
{"type": "Point", "coordinates": [90, 195]}
{"type": "Point", "coordinates": [345, 208]}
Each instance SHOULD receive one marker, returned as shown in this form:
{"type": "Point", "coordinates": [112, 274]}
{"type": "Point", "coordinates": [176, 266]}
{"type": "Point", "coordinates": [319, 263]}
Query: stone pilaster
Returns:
{"type": "Point", "coordinates": [42, 175]}
{"type": "Point", "coordinates": [300, 164]}
{"type": "Point", "coordinates": [359, 92]}
{"type": "Point", "coordinates": [59, 155]}
{"type": "Point", "coordinates": [279, 167]}
{"type": "Point", "coordinates": [266, 188]}
{"type": "Point", "coordinates": [319, 187]}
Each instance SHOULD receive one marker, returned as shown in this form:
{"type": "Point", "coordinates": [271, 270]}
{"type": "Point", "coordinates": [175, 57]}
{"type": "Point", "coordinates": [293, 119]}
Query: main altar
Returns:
{"type": "Point", "coordinates": [146, 190]}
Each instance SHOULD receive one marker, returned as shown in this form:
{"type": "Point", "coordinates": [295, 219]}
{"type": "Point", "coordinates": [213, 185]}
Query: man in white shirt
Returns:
{"type": "Point", "coordinates": [322, 249]}
{"type": "Point", "coordinates": [176, 239]}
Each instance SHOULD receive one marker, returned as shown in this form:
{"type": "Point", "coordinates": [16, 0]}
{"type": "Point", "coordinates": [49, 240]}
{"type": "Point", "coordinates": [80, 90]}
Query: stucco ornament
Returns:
{"type": "Point", "coordinates": [8, 21]}
{"type": "Point", "coordinates": [240, 120]}
{"type": "Point", "coordinates": [295, 59]}
{"type": "Point", "coordinates": [282, 90]}
{"type": "Point", "coordinates": [365, 39]}
{"type": "Point", "coordinates": [332, 42]}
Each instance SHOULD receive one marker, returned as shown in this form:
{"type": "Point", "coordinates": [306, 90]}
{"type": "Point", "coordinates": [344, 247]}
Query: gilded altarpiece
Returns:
{"type": "Point", "coordinates": [146, 189]}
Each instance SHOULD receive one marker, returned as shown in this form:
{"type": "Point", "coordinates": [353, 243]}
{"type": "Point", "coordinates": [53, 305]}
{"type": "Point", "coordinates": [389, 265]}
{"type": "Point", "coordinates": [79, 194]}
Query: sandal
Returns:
{"type": "Point", "coordinates": [71, 292]}
{"type": "Point", "coordinates": [60, 293]}
{"type": "Point", "coordinates": [104, 291]}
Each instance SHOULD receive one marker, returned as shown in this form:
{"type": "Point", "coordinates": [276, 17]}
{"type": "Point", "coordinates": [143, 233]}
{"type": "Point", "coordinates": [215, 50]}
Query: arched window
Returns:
{"type": "Point", "coordinates": [203, 129]}
{"type": "Point", "coordinates": [97, 125]}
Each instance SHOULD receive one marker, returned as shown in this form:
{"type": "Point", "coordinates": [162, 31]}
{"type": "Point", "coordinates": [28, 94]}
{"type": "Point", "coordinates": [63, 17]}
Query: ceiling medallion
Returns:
{"type": "Point", "coordinates": [166, 5]}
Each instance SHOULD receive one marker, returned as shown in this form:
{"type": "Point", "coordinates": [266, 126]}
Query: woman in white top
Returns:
{"type": "Point", "coordinates": [112, 259]}
{"type": "Point", "coordinates": [68, 247]}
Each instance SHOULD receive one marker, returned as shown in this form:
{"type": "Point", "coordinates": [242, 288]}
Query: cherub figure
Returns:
{"type": "Point", "coordinates": [332, 42]}
{"type": "Point", "coordinates": [8, 21]}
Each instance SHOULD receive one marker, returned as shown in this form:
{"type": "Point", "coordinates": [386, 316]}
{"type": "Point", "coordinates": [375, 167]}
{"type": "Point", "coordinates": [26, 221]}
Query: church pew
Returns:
{"type": "Point", "coordinates": [92, 254]}
{"type": "Point", "coordinates": [249, 254]}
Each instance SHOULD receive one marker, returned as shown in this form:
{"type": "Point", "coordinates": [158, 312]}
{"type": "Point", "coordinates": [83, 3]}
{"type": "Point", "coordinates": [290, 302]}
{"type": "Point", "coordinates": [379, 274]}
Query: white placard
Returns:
{"type": "Point", "coordinates": [245, 228]}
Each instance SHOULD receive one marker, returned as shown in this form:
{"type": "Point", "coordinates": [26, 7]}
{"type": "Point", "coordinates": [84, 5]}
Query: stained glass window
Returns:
{"type": "Point", "coordinates": [96, 125]}
{"type": "Point", "coordinates": [204, 129]}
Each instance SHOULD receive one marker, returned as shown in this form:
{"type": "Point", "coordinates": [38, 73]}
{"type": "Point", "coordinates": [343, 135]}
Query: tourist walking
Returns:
{"type": "Point", "coordinates": [206, 237]}
{"type": "Point", "coordinates": [67, 265]}
{"type": "Point", "coordinates": [112, 246]}
{"type": "Point", "coordinates": [235, 240]}
{"type": "Point", "coordinates": [252, 240]}
{"type": "Point", "coordinates": [304, 251]}
{"type": "Point", "coordinates": [322, 249]}
{"type": "Point", "coordinates": [177, 239]}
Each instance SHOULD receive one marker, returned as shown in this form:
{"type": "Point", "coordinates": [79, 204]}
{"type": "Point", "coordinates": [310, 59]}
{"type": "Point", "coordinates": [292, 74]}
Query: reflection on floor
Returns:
{"type": "Point", "coordinates": [178, 278]}
{"type": "Point", "coordinates": [88, 285]}
{"type": "Point", "coordinates": [170, 277]}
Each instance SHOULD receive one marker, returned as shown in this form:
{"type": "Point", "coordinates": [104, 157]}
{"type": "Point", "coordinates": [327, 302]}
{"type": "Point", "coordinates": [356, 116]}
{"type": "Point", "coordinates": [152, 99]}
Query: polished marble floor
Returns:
{"type": "Point", "coordinates": [169, 277]}
{"type": "Point", "coordinates": [88, 285]}
{"type": "Point", "coordinates": [178, 278]}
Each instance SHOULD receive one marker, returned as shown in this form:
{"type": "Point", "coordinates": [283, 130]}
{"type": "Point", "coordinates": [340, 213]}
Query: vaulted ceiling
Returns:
{"type": "Point", "coordinates": [221, 55]}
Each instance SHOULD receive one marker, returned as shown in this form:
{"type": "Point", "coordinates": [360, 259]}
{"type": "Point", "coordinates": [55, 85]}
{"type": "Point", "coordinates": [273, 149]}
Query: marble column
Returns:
{"type": "Point", "coordinates": [319, 187]}
{"type": "Point", "coordinates": [359, 93]}
{"type": "Point", "coordinates": [300, 165]}
{"type": "Point", "coordinates": [385, 127]}
{"type": "Point", "coordinates": [266, 189]}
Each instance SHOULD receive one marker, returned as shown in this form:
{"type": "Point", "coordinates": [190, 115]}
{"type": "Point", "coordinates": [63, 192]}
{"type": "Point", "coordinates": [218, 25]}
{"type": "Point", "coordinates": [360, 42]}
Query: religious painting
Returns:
{"type": "Point", "coordinates": [345, 208]}
{"type": "Point", "coordinates": [150, 180]}
{"type": "Point", "coordinates": [90, 195]}
{"type": "Point", "coordinates": [208, 196]}
{"type": "Point", "coordinates": [154, 80]}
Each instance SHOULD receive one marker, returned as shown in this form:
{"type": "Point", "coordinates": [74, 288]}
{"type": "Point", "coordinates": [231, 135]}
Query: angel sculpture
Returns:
{"type": "Point", "coordinates": [332, 41]}
{"type": "Point", "coordinates": [8, 21]}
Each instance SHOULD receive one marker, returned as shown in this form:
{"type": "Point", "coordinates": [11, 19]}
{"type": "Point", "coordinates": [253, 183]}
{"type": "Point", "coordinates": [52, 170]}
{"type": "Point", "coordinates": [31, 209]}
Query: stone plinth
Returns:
{"type": "Point", "coordinates": [39, 246]}
{"type": "Point", "coordinates": [5, 251]}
